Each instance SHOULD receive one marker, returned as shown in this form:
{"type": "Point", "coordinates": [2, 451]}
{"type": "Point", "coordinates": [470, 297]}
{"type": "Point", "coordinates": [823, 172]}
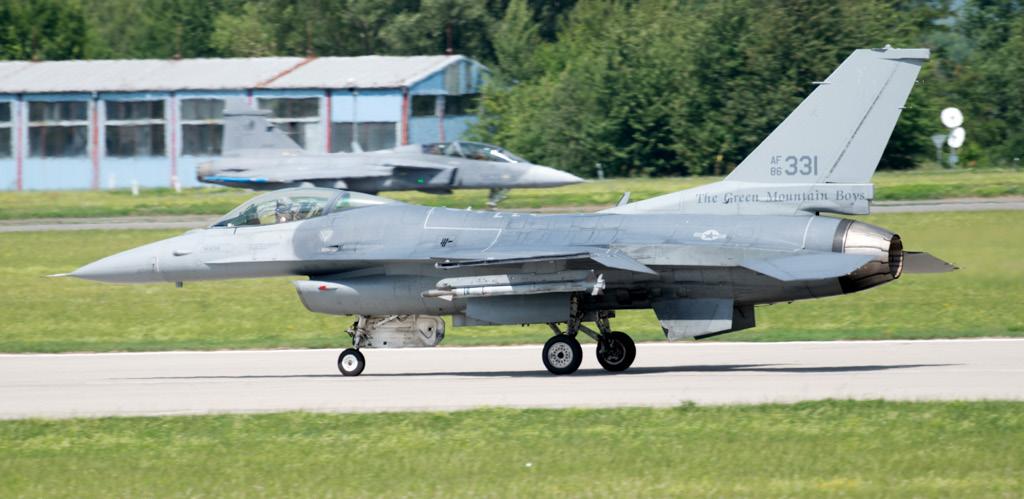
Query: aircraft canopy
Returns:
{"type": "Point", "coordinates": [472, 150]}
{"type": "Point", "coordinates": [292, 205]}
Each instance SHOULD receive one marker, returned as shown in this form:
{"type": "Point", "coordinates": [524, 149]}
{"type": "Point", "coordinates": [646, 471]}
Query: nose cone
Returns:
{"type": "Point", "coordinates": [545, 176]}
{"type": "Point", "coordinates": [135, 265]}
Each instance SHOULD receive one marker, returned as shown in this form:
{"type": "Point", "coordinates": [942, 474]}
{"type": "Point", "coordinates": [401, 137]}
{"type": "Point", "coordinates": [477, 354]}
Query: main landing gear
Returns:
{"type": "Point", "coordinates": [562, 353]}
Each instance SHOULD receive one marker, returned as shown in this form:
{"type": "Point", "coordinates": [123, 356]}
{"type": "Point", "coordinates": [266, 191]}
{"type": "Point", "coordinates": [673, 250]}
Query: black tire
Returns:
{"type": "Point", "coordinates": [562, 354]}
{"type": "Point", "coordinates": [351, 362]}
{"type": "Point", "coordinates": [616, 351]}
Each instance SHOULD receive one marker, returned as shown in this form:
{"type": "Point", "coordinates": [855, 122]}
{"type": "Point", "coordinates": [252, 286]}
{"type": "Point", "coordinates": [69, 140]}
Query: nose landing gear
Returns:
{"type": "Point", "coordinates": [562, 353]}
{"type": "Point", "coordinates": [496, 196]}
{"type": "Point", "coordinates": [351, 362]}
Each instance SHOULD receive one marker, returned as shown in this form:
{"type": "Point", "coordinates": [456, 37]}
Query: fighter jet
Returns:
{"type": "Point", "coordinates": [702, 258]}
{"type": "Point", "coordinates": [257, 155]}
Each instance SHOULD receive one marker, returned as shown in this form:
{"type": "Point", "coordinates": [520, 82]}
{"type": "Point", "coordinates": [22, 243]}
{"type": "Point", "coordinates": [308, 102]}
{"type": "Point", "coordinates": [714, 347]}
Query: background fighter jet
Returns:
{"type": "Point", "coordinates": [701, 258]}
{"type": "Point", "coordinates": [259, 156]}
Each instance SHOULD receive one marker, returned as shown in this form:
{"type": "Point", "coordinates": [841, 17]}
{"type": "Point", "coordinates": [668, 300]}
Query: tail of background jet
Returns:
{"type": "Point", "coordinates": [822, 156]}
{"type": "Point", "coordinates": [247, 131]}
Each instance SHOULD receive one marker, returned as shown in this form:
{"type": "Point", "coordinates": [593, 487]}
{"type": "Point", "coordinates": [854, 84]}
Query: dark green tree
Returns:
{"type": "Point", "coordinates": [990, 88]}
{"type": "Point", "coordinates": [42, 29]}
{"type": "Point", "coordinates": [674, 87]}
{"type": "Point", "coordinates": [516, 38]}
{"type": "Point", "coordinates": [465, 24]}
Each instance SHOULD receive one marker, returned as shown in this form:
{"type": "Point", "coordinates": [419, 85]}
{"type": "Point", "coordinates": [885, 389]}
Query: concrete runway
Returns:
{"type": "Point", "coordinates": [66, 385]}
{"type": "Point", "coordinates": [185, 222]}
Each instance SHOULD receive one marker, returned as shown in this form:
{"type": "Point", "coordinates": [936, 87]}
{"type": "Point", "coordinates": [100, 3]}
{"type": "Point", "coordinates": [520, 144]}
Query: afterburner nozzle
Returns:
{"type": "Point", "coordinates": [885, 248]}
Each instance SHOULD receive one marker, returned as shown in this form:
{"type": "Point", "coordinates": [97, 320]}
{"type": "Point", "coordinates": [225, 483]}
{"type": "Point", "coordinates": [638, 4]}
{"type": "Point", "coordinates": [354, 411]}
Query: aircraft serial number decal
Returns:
{"type": "Point", "coordinates": [793, 165]}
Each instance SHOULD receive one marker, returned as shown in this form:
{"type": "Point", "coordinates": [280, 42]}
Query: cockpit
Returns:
{"type": "Point", "coordinates": [472, 150]}
{"type": "Point", "coordinates": [292, 205]}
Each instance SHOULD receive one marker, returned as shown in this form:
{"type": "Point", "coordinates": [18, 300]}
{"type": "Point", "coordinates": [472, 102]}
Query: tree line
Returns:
{"type": "Point", "coordinates": [643, 87]}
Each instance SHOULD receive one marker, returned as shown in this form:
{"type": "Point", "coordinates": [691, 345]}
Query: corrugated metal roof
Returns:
{"type": "Point", "coordinates": [372, 71]}
{"type": "Point", "coordinates": [10, 68]}
{"type": "Point", "coordinates": [142, 75]}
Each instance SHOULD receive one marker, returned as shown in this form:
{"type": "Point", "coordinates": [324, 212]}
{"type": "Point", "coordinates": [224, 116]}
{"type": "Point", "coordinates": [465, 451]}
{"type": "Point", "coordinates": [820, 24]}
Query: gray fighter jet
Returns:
{"type": "Point", "coordinates": [702, 258]}
{"type": "Point", "coordinates": [259, 156]}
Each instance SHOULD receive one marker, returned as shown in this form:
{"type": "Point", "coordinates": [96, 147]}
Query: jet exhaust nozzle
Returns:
{"type": "Point", "coordinates": [885, 247]}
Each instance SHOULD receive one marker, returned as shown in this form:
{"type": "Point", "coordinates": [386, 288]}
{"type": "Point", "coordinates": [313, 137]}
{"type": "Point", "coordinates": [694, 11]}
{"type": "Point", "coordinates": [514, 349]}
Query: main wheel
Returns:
{"type": "Point", "coordinates": [616, 351]}
{"type": "Point", "coordinates": [351, 362]}
{"type": "Point", "coordinates": [562, 354]}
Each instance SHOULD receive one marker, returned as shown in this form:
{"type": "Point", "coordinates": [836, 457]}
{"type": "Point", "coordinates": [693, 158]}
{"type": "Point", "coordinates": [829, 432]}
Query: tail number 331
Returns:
{"type": "Point", "coordinates": [794, 165]}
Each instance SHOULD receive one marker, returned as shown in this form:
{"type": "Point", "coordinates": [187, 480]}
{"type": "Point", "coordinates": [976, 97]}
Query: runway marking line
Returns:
{"type": "Point", "coordinates": [646, 344]}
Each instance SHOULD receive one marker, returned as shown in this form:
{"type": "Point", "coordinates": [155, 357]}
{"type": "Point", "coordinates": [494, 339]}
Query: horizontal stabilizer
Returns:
{"type": "Point", "coordinates": [915, 262]}
{"type": "Point", "coordinates": [808, 267]}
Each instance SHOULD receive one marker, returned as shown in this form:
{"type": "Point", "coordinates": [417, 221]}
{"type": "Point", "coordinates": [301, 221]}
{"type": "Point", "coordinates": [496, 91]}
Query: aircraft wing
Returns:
{"type": "Point", "coordinates": [297, 174]}
{"type": "Point", "coordinates": [365, 171]}
{"type": "Point", "coordinates": [405, 162]}
{"type": "Point", "coordinates": [301, 174]}
{"type": "Point", "coordinates": [808, 266]}
{"type": "Point", "coordinates": [607, 258]}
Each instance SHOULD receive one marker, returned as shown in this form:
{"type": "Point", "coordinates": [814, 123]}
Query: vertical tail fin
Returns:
{"type": "Point", "coordinates": [246, 130]}
{"type": "Point", "coordinates": [822, 156]}
{"type": "Point", "coordinates": [838, 133]}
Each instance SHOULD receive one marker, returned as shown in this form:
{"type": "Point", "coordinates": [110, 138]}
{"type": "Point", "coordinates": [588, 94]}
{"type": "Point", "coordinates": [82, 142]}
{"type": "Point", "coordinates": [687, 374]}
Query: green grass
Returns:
{"type": "Point", "coordinates": [924, 184]}
{"type": "Point", "coordinates": [814, 449]}
{"type": "Point", "coordinates": [61, 204]}
{"type": "Point", "coordinates": [56, 315]}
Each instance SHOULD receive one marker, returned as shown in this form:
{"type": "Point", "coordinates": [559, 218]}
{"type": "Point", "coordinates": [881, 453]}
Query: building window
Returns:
{"type": "Point", "coordinates": [5, 129]}
{"type": "Point", "coordinates": [297, 118]}
{"type": "Point", "coordinates": [373, 136]}
{"type": "Point", "coordinates": [460, 105]}
{"type": "Point", "coordinates": [57, 129]}
{"type": "Point", "coordinates": [424, 105]}
{"type": "Point", "coordinates": [135, 128]}
{"type": "Point", "coordinates": [202, 127]}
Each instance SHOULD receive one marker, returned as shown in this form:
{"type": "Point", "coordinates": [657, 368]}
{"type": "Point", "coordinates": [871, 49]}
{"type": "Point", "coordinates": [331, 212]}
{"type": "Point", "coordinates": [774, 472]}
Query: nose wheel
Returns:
{"type": "Point", "coordinates": [351, 362]}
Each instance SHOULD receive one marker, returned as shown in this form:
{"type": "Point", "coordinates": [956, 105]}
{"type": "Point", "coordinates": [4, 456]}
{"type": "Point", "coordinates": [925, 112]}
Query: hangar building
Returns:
{"type": "Point", "coordinates": [104, 123]}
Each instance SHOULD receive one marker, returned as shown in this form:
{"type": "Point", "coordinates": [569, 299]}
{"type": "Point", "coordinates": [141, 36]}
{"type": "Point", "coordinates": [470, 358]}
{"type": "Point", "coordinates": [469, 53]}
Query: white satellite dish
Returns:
{"type": "Point", "coordinates": [956, 137]}
{"type": "Point", "coordinates": [951, 117]}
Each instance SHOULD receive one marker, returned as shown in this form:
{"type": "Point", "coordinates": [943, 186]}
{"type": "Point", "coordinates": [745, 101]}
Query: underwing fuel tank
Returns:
{"type": "Point", "coordinates": [885, 247]}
